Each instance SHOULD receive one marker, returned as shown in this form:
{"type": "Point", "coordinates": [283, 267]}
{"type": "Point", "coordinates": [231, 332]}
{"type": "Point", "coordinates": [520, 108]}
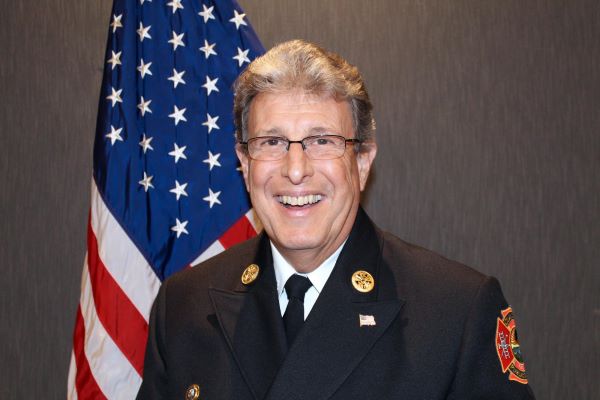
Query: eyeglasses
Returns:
{"type": "Point", "coordinates": [273, 148]}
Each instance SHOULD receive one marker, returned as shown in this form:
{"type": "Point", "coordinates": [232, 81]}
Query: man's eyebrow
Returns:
{"type": "Point", "coordinates": [318, 130]}
{"type": "Point", "coordinates": [314, 131]}
{"type": "Point", "coordinates": [269, 132]}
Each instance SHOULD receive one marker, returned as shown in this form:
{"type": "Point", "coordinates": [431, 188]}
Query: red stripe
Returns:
{"type": "Point", "coordinates": [238, 232]}
{"type": "Point", "coordinates": [123, 322]}
{"type": "Point", "coordinates": [86, 385]}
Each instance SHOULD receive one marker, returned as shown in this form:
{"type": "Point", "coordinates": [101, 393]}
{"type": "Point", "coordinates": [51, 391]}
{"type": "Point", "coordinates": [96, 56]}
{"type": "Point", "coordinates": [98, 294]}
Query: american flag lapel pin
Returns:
{"type": "Point", "coordinates": [366, 320]}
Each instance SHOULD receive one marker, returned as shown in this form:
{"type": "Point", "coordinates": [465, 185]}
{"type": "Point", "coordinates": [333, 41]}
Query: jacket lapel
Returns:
{"type": "Point", "coordinates": [333, 342]}
{"type": "Point", "coordinates": [251, 322]}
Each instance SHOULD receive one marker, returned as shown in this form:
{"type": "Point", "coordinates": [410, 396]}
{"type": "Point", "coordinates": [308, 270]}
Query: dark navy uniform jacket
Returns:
{"type": "Point", "coordinates": [432, 334]}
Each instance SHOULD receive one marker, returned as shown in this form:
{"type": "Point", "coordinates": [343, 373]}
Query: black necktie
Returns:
{"type": "Point", "coordinates": [293, 318]}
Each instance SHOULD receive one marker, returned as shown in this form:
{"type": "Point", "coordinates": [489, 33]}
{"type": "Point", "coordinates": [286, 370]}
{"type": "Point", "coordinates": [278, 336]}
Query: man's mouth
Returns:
{"type": "Point", "coordinates": [299, 201]}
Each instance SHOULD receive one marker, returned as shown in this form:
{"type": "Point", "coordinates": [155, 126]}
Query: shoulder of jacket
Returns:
{"type": "Point", "coordinates": [425, 268]}
{"type": "Point", "coordinates": [221, 270]}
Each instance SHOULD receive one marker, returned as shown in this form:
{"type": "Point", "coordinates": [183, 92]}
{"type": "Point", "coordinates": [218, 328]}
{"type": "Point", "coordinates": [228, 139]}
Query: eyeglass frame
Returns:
{"type": "Point", "coordinates": [301, 142]}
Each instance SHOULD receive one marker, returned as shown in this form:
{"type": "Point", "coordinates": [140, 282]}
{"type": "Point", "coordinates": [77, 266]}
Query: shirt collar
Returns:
{"type": "Point", "coordinates": [318, 277]}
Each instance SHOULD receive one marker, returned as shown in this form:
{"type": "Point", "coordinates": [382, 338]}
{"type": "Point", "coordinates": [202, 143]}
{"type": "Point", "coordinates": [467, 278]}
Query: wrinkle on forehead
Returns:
{"type": "Point", "coordinates": [298, 106]}
{"type": "Point", "coordinates": [314, 131]}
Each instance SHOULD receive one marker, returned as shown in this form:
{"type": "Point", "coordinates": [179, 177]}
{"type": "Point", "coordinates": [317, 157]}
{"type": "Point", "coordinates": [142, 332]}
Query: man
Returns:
{"type": "Point", "coordinates": [324, 305]}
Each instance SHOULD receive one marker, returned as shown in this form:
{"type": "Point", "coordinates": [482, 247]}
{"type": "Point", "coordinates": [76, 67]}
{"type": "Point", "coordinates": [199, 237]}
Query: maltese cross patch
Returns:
{"type": "Point", "coordinates": [507, 347]}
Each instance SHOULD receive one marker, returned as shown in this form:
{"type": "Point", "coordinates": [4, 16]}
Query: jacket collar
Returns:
{"type": "Point", "coordinates": [250, 319]}
{"type": "Point", "coordinates": [332, 342]}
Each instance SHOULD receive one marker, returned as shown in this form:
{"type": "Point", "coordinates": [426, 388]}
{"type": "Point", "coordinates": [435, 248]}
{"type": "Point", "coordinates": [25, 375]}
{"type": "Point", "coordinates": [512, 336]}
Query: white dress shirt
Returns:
{"type": "Point", "coordinates": [318, 278]}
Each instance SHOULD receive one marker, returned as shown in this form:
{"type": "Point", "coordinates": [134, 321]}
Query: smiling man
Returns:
{"type": "Point", "coordinates": [322, 304]}
{"type": "Point", "coordinates": [303, 173]}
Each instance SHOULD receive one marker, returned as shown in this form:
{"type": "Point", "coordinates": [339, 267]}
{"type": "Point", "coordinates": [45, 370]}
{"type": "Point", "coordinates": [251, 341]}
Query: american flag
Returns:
{"type": "Point", "coordinates": [166, 189]}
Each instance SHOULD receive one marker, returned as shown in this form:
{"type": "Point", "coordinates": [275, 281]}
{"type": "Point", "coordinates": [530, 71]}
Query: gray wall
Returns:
{"type": "Point", "coordinates": [488, 129]}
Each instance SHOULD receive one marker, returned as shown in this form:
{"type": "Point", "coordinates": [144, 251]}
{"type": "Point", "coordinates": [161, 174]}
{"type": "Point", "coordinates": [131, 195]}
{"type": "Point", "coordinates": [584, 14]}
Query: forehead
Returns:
{"type": "Point", "coordinates": [298, 113]}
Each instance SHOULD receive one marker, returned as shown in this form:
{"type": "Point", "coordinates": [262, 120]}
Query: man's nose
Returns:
{"type": "Point", "coordinates": [296, 164]}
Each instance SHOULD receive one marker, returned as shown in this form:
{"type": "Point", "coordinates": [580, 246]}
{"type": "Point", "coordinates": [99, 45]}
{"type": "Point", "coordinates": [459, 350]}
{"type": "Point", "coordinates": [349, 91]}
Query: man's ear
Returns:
{"type": "Point", "coordinates": [364, 159]}
{"type": "Point", "coordinates": [244, 161]}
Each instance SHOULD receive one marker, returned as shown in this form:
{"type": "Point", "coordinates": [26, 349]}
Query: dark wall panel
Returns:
{"type": "Point", "coordinates": [489, 153]}
{"type": "Point", "coordinates": [51, 62]}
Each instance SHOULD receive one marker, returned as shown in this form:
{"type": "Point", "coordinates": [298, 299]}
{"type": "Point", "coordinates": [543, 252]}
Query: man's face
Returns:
{"type": "Point", "coordinates": [315, 230]}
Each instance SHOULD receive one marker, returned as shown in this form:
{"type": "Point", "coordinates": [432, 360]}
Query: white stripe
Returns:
{"type": "Point", "coordinates": [115, 376]}
{"type": "Point", "coordinates": [254, 221]}
{"type": "Point", "coordinates": [122, 258]}
{"type": "Point", "coordinates": [212, 250]}
{"type": "Point", "coordinates": [217, 247]}
{"type": "Point", "coordinates": [71, 389]}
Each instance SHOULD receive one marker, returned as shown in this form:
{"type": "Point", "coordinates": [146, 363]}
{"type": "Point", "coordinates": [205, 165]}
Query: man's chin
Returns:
{"type": "Point", "coordinates": [291, 243]}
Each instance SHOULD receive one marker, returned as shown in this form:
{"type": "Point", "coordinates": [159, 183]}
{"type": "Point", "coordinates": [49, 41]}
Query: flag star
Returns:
{"type": "Point", "coordinates": [144, 69]}
{"type": "Point", "coordinates": [145, 143]}
{"type": "Point", "coordinates": [242, 56]}
{"type": "Point", "coordinates": [178, 115]}
{"type": "Point", "coordinates": [179, 190]}
{"type": "Point", "coordinates": [175, 4]}
{"type": "Point", "coordinates": [177, 78]}
{"type": "Point", "coordinates": [210, 85]}
{"type": "Point", "coordinates": [179, 227]}
{"type": "Point", "coordinates": [208, 49]}
{"type": "Point", "coordinates": [114, 135]}
{"type": "Point", "coordinates": [144, 106]}
{"type": "Point", "coordinates": [143, 32]}
{"type": "Point", "coordinates": [178, 152]}
{"type": "Point", "coordinates": [146, 182]}
{"type": "Point", "coordinates": [238, 19]}
{"type": "Point", "coordinates": [207, 13]}
{"type": "Point", "coordinates": [115, 59]}
{"type": "Point", "coordinates": [177, 40]}
{"type": "Point", "coordinates": [115, 96]}
{"type": "Point", "coordinates": [212, 160]}
{"type": "Point", "coordinates": [212, 198]}
{"type": "Point", "coordinates": [116, 22]}
{"type": "Point", "coordinates": [211, 122]}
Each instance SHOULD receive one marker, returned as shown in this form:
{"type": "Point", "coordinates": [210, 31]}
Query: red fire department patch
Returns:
{"type": "Point", "coordinates": [507, 347]}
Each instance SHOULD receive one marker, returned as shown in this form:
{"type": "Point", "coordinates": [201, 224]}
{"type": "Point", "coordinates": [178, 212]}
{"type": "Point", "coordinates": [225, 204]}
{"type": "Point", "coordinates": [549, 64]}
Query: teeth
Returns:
{"type": "Point", "coordinates": [299, 200]}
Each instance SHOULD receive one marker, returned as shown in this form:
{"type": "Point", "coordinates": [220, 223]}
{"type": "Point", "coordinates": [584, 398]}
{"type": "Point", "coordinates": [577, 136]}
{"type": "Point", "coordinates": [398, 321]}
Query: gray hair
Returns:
{"type": "Point", "coordinates": [300, 65]}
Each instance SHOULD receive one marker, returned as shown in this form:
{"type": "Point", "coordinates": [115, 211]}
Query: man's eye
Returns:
{"type": "Point", "coordinates": [323, 141]}
{"type": "Point", "coordinates": [273, 142]}
{"type": "Point", "coordinates": [270, 142]}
